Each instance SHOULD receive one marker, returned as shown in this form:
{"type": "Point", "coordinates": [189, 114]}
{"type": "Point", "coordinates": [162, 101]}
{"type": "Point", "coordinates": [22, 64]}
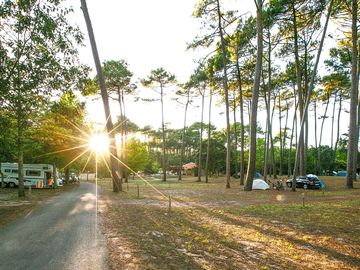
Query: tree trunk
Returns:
{"type": "Point", "coordinates": [125, 132]}
{"type": "Point", "coordinates": [333, 122]}
{"type": "Point", "coordinates": [300, 93]}
{"type": "Point", "coordinates": [308, 96]}
{"type": "Point", "coordinates": [225, 85]}
{"type": "Point", "coordinates": [235, 135]}
{"type": "Point", "coordinates": [255, 97]}
{"type": "Point", "coordinates": [320, 138]}
{"type": "Point", "coordinates": [117, 182]}
{"type": "Point", "coordinates": [183, 136]}
{"type": "Point", "coordinates": [54, 174]}
{"type": "Point", "coordinates": [285, 132]}
{"type": "Point", "coordinates": [163, 133]}
{"type": "Point", "coordinates": [280, 137]}
{"type": "Point", "coordinates": [242, 135]}
{"type": "Point", "coordinates": [21, 188]}
{"type": "Point", "coordinates": [353, 134]}
{"type": "Point", "coordinates": [208, 142]}
{"type": "Point", "coordinates": [337, 132]}
{"type": "Point", "coordinates": [201, 135]}
{"type": "Point", "coordinates": [315, 132]}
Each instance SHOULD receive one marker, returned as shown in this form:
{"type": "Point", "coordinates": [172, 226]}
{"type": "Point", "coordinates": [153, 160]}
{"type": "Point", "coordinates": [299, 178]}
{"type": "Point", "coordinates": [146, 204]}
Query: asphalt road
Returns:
{"type": "Point", "coordinates": [63, 233]}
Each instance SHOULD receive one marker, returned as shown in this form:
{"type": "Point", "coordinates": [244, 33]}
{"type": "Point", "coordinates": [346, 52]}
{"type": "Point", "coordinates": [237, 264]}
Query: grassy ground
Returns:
{"type": "Point", "coordinates": [11, 207]}
{"type": "Point", "coordinates": [210, 227]}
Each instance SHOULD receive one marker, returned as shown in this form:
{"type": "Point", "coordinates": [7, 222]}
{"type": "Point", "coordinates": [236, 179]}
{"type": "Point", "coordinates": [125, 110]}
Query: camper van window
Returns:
{"type": "Point", "coordinates": [33, 173]}
{"type": "Point", "coordinates": [7, 170]}
{"type": "Point", "coordinates": [14, 171]}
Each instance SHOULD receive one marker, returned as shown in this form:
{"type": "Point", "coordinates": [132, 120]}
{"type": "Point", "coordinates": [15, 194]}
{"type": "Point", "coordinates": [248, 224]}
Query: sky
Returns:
{"type": "Point", "coordinates": [149, 35]}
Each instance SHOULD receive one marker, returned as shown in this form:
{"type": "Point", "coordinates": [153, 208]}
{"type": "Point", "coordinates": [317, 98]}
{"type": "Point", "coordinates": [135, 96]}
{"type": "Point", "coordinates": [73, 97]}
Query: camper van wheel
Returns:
{"type": "Point", "coordinates": [11, 184]}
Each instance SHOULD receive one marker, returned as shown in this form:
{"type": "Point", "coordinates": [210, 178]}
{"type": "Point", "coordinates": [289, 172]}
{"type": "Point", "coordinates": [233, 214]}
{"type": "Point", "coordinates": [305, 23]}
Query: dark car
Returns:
{"type": "Point", "coordinates": [307, 182]}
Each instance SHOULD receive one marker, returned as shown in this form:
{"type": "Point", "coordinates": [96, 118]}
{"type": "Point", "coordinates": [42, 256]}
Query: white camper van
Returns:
{"type": "Point", "coordinates": [35, 175]}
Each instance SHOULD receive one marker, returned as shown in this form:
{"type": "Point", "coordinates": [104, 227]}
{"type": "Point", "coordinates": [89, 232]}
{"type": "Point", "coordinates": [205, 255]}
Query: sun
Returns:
{"type": "Point", "coordinates": [99, 143]}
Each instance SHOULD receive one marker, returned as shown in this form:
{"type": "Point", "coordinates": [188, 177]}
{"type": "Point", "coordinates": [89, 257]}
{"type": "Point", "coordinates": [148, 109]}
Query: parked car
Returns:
{"type": "Point", "coordinates": [307, 182]}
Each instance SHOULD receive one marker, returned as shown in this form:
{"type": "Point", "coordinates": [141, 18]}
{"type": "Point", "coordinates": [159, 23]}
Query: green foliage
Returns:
{"type": "Point", "coordinates": [137, 155]}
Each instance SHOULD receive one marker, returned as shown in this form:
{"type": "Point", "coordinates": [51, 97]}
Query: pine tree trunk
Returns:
{"type": "Point", "coordinates": [242, 135]}
{"type": "Point", "coordinates": [117, 182]}
{"type": "Point", "coordinates": [208, 142]}
{"type": "Point", "coordinates": [183, 136]}
{"type": "Point", "coordinates": [320, 138]}
{"type": "Point", "coordinates": [225, 85]}
{"type": "Point", "coordinates": [353, 136]}
{"type": "Point", "coordinates": [21, 187]}
{"type": "Point", "coordinates": [163, 134]}
{"type": "Point", "coordinates": [201, 135]}
{"type": "Point", "coordinates": [255, 97]}
{"type": "Point", "coordinates": [337, 132]}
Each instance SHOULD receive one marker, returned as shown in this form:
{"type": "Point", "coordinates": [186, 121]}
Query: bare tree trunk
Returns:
{"type": "Point", "coordinates": [201, 134]}
{"type": "Point", "coordinates": [338, 131]}
{"type": "Point", "coordinates": [235, 135]}
{"type": "Point", "coordinates": [300, 93]}
{"type": "Point", "coordinates": [293, 129]}
{"type": "Point", "coordinates": [273, 162]}
{"type": "Point", "coordinates": [121, 167]}
{"type": "Point", "coordinates": [255, 97]}
{"type": "Point", "coordinates": [21, 188]}
{"type": "Point", "coordinates": [333, 121]}
{"type": "Point", "coordinates": [353, 133]}
{"type": "Point", "coordinates": [320, 139]}
{"type": "Point", "coordinates": [117, 182]}
{"type": "Point", "coordinates": [163, 133]}
{"type": "Point", "coordinates": [183, 135]}
{"type": "Point", "coordinates": [315, 132]}
{"type": "Point", "coordinates": [208, 142]}
{"type": "Point", "coordinates": [286, 128]}
{"type": "Point", "coordinates": [225, 85]}
{"type": "Point", "coordinates": [242, 135]}
{"type": "Point", "coordinates": [124, 152]}
{"type": "Point", "coordinates": [280, 135]}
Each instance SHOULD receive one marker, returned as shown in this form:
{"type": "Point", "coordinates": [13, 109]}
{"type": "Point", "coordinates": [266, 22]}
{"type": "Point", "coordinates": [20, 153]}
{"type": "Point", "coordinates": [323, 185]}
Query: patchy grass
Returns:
{"type": "Point", "coordinates": [210, 227]}
{"type": "Point", "coordinates": [12, 207]}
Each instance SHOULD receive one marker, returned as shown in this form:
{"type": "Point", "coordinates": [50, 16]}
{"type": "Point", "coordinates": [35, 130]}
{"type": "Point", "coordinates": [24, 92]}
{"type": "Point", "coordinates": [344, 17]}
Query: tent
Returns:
{"type": "Point", "coordinates": [341, 173]}
{"type": "Point", "coordinates": [260, 184]}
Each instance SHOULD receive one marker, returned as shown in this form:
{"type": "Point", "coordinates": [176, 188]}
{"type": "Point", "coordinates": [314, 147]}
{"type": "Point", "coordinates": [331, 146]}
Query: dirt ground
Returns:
{"type": "Point", "coordinates": [211, 227]}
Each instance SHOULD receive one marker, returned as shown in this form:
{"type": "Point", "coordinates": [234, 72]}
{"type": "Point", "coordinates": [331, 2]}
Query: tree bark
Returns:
{"type": "Point", "coordinates": [320, 138]}
{"type": "Point", "coordinates": [183, 136]}
{"type": "Point", "coordinates": [242, 135]}
{"type": "Point", "coordinates": [117, 182]}
{"type": "Point", "coordinates": [208, 142]}
{"type": "Point", "coordinates": [163, 133]}
{"type": "Point", "coordinates": [225, 85]}
{"type": "Point", "coordinates": [353, 134]}
{"type": "Point", "coordinates": [255, 98]}
{"type": "Point", "coordinates": [201, 134]}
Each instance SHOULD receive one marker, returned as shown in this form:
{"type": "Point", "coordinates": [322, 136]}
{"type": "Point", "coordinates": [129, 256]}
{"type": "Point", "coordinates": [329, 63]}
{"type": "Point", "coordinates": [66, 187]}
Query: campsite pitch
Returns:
{"type": "Point", "coordinates": [210, 227]}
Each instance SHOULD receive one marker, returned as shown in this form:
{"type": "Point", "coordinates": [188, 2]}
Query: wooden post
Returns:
{"type": "Point", "coordinates": [169, 203]}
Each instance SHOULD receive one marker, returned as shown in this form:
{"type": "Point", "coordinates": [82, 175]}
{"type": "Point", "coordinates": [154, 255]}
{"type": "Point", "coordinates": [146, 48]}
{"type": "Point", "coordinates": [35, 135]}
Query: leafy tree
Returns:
{"type": "Point", "coordinates": [37, 56]}
{"type": "Point", "coordinates": [137, 155]}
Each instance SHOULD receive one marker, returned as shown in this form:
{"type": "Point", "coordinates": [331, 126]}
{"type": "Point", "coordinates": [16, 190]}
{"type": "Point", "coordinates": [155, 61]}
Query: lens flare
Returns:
{"type": "Point", "coordinates": [99, 143]}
